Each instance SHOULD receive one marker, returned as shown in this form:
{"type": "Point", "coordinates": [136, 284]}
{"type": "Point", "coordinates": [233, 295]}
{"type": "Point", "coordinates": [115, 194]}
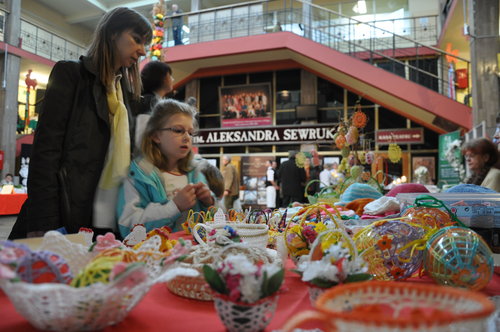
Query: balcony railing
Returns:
{"type": "Point", "coordinates": [401, 45]}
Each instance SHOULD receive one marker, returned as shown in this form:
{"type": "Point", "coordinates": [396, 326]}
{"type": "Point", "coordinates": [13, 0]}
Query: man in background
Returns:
{"type": "Point", "coordinates": [292, 180]}
{"type": "Point", "coordinates": [176, 24]}
{"type": "Point", "coordinates": [270, 186]}
{"type": "Point", "coordinates": [231, 183]}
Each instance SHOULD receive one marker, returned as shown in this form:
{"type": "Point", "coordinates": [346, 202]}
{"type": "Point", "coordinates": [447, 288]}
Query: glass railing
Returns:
{"type": "Point", "coordinates": [400, 45]}
{"type": "Point", "coordinates": [42, 42]}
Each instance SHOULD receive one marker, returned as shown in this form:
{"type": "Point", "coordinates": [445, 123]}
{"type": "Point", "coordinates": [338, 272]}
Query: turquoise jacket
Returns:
{"type": "Point", "coordinates": [142, 199]}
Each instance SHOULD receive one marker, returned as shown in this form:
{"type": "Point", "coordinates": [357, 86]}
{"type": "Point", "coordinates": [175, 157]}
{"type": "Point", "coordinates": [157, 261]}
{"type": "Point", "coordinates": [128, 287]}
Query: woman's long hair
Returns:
{"type": "Point", "coordinates": [161, 113]}
{"type": "Point", "coordinates": [102, 49]}
{"type": "Point", "coordinates": [481, 146]}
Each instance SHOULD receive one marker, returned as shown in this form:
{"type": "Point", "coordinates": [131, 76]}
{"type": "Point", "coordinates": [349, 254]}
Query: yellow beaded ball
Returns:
{"type": "Point", "coordinates": [98, 270]}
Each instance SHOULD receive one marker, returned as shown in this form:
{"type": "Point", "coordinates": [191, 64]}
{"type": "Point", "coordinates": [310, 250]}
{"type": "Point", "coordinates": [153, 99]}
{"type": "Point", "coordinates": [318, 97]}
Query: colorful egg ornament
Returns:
{"type": "Point", "coordinates": [387, 247]}
{"type": "Point", "coordinates": [459, 257]}
{"type": "Point", "coordinates": [44, 266]}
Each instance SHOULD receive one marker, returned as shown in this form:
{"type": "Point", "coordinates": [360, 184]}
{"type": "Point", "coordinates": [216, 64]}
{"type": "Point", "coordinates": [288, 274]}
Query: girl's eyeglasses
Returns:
{"type": "Point", "coordinates": [179, 131]}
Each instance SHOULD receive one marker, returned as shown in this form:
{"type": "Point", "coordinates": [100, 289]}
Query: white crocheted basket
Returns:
{"type": "Point", "coordinates": [60, 307]}
{"type": "Point", "coordinates": [196, 287]}
{"type": "Point", "coordinates": [255, 235]}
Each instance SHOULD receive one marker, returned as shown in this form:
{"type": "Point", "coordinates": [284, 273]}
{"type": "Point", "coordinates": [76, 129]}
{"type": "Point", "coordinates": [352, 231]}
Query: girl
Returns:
{"type": "Point", "coordinates": [164, 183]}
{"type": "Point", "coordinates": [82, 143]}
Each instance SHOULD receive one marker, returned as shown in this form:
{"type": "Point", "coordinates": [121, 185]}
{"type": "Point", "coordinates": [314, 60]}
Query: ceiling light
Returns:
{"type": "Point", "coordinates": [360, 7]}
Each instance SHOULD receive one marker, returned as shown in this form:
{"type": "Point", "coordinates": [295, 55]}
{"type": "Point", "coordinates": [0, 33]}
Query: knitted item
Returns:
{"type": "Point", "coordinates": [407, 188]}
{"type": "Point", "coordinates": [469, 188]}
{"type": "Point", "coordinates": [382, 205]}
{"type": "Point", "coordinates": [359, 190]}
{"type": "Point", "coordinates": [358, 205]}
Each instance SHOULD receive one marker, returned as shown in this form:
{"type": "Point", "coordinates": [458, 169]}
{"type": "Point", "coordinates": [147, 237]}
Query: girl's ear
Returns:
{"type": "Point", "coordinates": [155, 138]}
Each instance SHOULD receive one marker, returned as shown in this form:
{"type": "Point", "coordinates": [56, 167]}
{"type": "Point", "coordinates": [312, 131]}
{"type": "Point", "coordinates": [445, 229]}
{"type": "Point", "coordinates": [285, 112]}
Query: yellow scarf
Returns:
{"type": "Point", "coordinates": [118, 159]}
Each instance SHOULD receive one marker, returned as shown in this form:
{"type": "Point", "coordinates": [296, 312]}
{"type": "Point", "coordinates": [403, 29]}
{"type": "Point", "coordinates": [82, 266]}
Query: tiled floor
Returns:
{"type": "Point", "coordinates": [6, 223]}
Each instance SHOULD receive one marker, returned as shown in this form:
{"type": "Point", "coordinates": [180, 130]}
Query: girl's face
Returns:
{"type": "Point", "coordinates": [175, 138]}
{"type": "Point", "coordinates": [130, 47]}
{"type": "Point", "coordinates": [475, 161]}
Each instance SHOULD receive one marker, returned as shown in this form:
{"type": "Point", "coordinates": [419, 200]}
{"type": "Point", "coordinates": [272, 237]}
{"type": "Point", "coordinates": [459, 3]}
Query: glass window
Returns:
{"type": "Point", "coordinates": [235, 79]}
{"type": "Point", "coordinates": [234, 149]}
{"type": "Point", "coordinates": [422, 78]}
{"type": "Point", "coordinates": [329, 94]}
{"type": "Point", "coordinates": [330, 115]}
{"type": "Point", "coordinates": [393, 67]}
{"type": "Point", "coordinates": [261, 77]}
{"type": "Point", "coordinates": [209, 122]}
{"type": "Point", "coordinates": [209, 95]}
{"type": "Point", "coordinates": [389, 119]}
{"type": "Point", "coordinates": [283, 118]}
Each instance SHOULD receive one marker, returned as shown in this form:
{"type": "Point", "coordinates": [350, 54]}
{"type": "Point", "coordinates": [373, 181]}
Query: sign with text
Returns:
{"type": "Point", "coordinates": [317, 133]}
{"type": "Point", "coordinates": [400, 136]}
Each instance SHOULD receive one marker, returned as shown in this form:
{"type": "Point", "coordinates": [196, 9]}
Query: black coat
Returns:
{"type": "Point", "coordinates": [69, 149]}
{"type": "Point", "coordinates": [292, 179]}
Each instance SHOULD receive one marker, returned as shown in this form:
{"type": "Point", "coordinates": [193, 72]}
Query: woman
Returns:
{"type": "Point", "coordinates": [82, 144]}
{"type": "Point", "coordinates": [481, 156]}
{"type": "Point", "coordinates": [157, 83]}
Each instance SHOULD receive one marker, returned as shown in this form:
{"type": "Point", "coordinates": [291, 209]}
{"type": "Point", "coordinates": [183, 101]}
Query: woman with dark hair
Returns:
{"type": "Point", "coordinates": [157, 83]}
{"type": "Point", "coordinates": [82, 145]}
{"type": "Point", "coordinates": [482, 156]}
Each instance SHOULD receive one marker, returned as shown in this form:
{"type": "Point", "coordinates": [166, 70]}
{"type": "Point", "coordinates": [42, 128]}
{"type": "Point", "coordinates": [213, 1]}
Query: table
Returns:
{"type": "Point", "coordinates": [161, 310]}
{"type": "Point", "coordinates": [11, 204]}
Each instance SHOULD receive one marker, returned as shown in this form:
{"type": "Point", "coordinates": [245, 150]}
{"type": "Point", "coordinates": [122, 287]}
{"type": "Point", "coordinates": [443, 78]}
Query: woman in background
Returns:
{"type": "Point", "coordinates": [481, 156]}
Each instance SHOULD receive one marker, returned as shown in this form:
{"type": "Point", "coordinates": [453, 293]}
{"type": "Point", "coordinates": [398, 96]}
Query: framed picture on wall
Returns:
{"type": "Point", "coordinates": [245, 105]}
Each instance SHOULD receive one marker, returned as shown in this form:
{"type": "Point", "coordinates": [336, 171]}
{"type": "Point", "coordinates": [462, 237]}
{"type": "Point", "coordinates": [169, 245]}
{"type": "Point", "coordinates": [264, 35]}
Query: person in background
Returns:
{"type": "Point", "coordinates": [8, 180]}
{"type": "Point", "coordinates": [292, 180]}
{"type": "Point", "coordinates": [482, 157]}
{"type": "Point", "coordinates": [278, 192]}
{"type": "Point", "coordinates": [325, 176]}
{"type": "Point", "coordinates": [231, 183]}
{"type": "Point", "coordinates": [312, 173]}
{"type": "Point", "coordinates": [157, 83]}
{"type": "Point", "coordinates": [81, 149]}
{"type": "Point", "coordinates": [163, 184]}
{"type": "Point", "coordinates": [176, 24]}
{"type": "Point", "coordinates": [270, 186]}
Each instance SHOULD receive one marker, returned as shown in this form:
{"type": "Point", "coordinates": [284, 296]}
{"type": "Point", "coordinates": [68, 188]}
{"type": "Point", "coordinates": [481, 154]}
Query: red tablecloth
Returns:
{"type": "Point", "coordinates": [11, 204]}
{"type": "Point", "coordinates": [161, 310]}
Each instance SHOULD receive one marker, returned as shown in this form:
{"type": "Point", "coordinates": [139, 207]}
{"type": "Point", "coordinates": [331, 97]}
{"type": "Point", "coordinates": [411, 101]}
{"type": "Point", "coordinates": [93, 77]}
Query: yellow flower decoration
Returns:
{"type": "Point", "coordinates": [394, 153]}
{"type": "Point", "coordinates": [300, 159]}
{"type": "Point", "coordinates": [320, 227]}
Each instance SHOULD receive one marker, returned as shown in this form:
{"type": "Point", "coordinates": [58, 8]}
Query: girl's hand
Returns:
{"type": "Point", "coordinates": [204, 194]}
{"type": "Point", "coordinates": [185, 198]}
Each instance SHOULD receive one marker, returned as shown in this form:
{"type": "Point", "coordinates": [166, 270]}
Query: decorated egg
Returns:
{"type": "Point", "coordinates": [459, 257]}
{"type": "Point", "coordinates": [163, 233]}
{"type": "Point", "coordinates": [126, 256]}
{"type": "Point", "coordinates": [388, 247]}
{"type": "Point", "coordinates": [428, 216]}
{"type": "Point", "coordinates": [44, 266]}
{"type": "Point", "coordinates": [98, 270]}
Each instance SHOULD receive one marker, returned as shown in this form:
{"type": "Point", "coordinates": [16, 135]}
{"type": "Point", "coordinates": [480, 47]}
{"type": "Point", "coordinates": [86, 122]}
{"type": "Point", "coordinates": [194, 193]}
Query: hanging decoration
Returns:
{"type": "Point", "coordinates": [158, 31]}
{"type": "Point", "coordinates": [359, 119]}
{"type": "Point", "coordinates": [394, 153]}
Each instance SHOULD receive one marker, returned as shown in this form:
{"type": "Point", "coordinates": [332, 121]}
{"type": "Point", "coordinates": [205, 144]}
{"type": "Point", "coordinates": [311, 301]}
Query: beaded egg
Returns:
{"type": "Point", "coordinates": [459, 257]}
{"type": "Point", "coordinates": [387, 247]}
{"type": "Point", "coordinates": [42, 267]}
{"type": "Point", "coordinates": [428, 216]}
{"type": "Point", "coordinates": [98, 270]}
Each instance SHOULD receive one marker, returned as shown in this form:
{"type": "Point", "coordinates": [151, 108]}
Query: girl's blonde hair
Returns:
{"type": "Point", "coordinates": [161, 113]}
{"type": "Point", "coordinates": [102, 49]}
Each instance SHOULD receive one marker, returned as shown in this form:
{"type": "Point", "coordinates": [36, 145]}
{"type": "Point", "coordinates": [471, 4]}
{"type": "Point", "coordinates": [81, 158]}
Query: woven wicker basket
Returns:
{"type": "Point", "coordinates": [377, 306]}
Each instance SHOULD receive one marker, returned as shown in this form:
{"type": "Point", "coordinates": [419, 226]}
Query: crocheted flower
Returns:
{"type": "Point", "coordinates": [385, 243]}
{"type": "Point", "coordinates": [394, 153]}
{"type": "Point", "coordinates": [106, 241]}
{"type": "Point", "coordinates": [397, 272]}
{"type": "Point", "coordinates": [359, 119]}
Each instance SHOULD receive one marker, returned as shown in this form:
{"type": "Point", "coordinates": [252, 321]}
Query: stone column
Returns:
{"type": "Point", "coordinates": [484, 46]}
{"type": "Point", "coordinates": [9, 74]}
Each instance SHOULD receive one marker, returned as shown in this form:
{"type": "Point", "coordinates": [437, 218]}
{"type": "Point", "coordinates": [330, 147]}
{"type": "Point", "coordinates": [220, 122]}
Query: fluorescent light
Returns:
{"type": "Point", "coordinates": [360, 7]}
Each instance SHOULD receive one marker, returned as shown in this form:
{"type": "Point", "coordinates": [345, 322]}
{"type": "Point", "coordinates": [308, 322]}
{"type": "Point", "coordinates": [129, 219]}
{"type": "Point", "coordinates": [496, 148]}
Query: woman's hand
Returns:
{"type": "Point", "coordinates": [204, 194]}
{"type": "Point", "coordinates": [186, 197]}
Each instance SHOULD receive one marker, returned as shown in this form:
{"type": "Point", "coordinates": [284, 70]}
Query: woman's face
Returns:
{"type": "Point", "coordinates": [174, 139]}
{"type": "Point", "coordinates": [475, 162]}
{"type": "Point", "coordinates": [169, 82]}
{"type": "Point", "coordinates": [130, 47]}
